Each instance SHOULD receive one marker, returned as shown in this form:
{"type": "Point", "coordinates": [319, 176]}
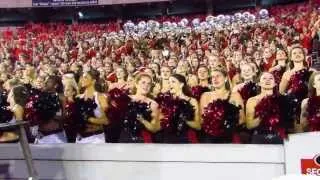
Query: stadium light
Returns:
{"type": "Point", "coordinates": [80, 14]}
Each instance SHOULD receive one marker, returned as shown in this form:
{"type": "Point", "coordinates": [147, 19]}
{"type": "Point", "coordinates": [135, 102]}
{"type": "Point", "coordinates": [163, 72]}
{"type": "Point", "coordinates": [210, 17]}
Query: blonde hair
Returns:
{"type": "Point", "coordinates": [68, 79]}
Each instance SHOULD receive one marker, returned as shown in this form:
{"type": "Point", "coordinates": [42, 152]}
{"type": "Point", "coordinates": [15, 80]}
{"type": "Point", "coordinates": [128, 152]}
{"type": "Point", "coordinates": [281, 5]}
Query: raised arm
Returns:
{"type": "Point", "coordinates": [284, 83]}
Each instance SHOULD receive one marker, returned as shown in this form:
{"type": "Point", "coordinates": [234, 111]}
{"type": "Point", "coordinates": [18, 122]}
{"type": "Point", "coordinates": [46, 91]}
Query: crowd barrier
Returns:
{"type": "Point", "coordinates": [299, 155]}
{"type": "Point", "coordinates": [145, 162]}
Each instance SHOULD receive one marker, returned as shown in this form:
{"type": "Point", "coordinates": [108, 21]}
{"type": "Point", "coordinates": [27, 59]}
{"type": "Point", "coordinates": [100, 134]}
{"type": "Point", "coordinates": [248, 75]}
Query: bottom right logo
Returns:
{"type": "Point", "coordinates": [311, 166]}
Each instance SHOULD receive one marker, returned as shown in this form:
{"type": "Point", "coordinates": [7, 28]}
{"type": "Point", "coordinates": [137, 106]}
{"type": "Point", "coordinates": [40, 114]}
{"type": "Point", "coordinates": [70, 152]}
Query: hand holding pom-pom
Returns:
{"type": "Point", "coordinates": [137, 112]}
{"type": "Point", "coordinates": [183, 112]}
{"type": "Point", "coordinates": [118, 103]}
{"type": "Point", "coordinates": [269, 112]}
{"type": "Point", "coordinates": [167, 108]}
{"type": "Point", "coordinates": [42, 107]}
{"type": "Point", "coordinates": [220, 118]}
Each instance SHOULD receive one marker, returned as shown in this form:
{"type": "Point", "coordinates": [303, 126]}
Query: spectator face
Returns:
{"type": "Point", "coordinates": [99, 56]}
{"type": "Point", "coordinates": [113, 55]}
{"type": "Point", "coordinates": [242, 63]}
{"type": "Point", "coordinates": [203, 73]}
{"type": "Point", "coordinates": [267, 81]}
{"type": "Point", "coordinates": [86, 80]}
{"type": "Point", "coordinates": [50, 52]}
{"type": "Point", "coordinates": [218, 79]}
{"type": "Point", "coordinates": [182, 68]}
{"type": "Point", "coordinates": [3, 77]}
{"type": "Point", "coordinates": [283, 42]}
{"type": "Point", "coordinates": [237, 56]}
{"type": "Point", "coordinates": [2, 68]}
{"type": "Point", "coordinates": [120, 73]}
{"type": "Point", "coordinates": [249, 44]}
{"type": "Point", "coordinates": [247, 72]}
{"type": "Point", "coordinates": [234, 42]}
{"type": "Point", "coordinates": [175, 86]}
{"type": "Point", "coordinates": [213, 61]}
{"type": "Point", "coordinates": [199, 53]}
{"type": "Point", "coordinates": [85, 45]}
{"type": "Point", "coordinates": [63, 68]}
{"type": "Point", "coordinates": [29, 71]}
{"type": "Point", "coordinates": [165, 73]}
{"type": "Point", "coordinates": [203, 38]}
{"type": "Point", "coordinates": [227, 52]}
{"type": "Point", "coordinates": [108, 68]}
{"type": "Point", "coordinates": [281, 55]}
{"type": "Point", "coordinates": [50, 85]}
{"type": "Point", "coordinates": [194, 62]}
{"type": "Point", "coordinates": [257, 58]}
{"type": "Point", "coordinates": [267, 53]}
{"type": "Point", "coordinates": [249, 50]}
{"type": "Point", "coordinates": [69, 91]}
{"type": "Point", "coordinates": [172, 63]}
{"type": "Point", "coordinates": [101, 43]}
{"type": "Point", "coordinates": [297, 55]}
{"type": "Point", "coordinates": [130, 68]}
{"type": "Point", "coordinates": [38, 83]}
{"type": "Point", "coordinates": [155, 68]}
{"type": "Point", "coordinates": [144, 85]}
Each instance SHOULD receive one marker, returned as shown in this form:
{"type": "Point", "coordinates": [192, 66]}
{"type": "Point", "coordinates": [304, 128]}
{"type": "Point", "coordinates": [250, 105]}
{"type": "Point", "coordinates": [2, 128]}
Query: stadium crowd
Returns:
{"type": "Point", "coordinates": [250, 77]}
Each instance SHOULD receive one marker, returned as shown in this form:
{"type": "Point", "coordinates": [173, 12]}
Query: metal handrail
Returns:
{"type": "Point", "coordinates": [20, 125]}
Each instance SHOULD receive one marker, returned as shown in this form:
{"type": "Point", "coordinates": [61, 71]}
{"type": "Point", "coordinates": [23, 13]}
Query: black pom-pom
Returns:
{"type": "Point", "coordinates": [130, 122]}
{"type": "Point", "coordinates": [183, 112]}
{"type": "Point", "coordinates": [42, 107]}
{"type": "Point", "coordinates": [85, 110]}
{"type": "Point", "coordinates": [249, 90]}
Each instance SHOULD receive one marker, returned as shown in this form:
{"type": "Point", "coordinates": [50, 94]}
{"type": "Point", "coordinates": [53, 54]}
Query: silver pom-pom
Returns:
{"type": "Point", "coordinates": [196, 22]}
{"type": "Point", "coordinates": [264, 14]}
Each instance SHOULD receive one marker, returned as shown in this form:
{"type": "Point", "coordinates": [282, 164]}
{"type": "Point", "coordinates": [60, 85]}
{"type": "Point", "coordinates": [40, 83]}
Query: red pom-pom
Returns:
{"type": "Point", "coordinates": [167, 108]}
{"type": "Point", "coordinates": [298, 84]}
{"type": "Point", "coordinates": [118, 103]}
{"type": "Point", "coordinates": [30, 113]}
{"type": "Point", "coordinates": [220, 118]}
{"type": "Point", "coordinates": [269, 112]}
{"type": "Point", "coordinates": [70, 113]}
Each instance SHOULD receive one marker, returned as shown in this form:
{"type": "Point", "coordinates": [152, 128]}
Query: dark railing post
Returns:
{"type": "Point", "coordinates": [20, 126]}
{"type": "Point", "coordinates": [27, 153]}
